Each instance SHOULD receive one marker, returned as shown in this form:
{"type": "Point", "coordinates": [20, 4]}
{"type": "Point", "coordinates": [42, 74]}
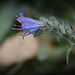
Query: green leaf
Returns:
{"type": "Point", "coordinates": [68, 53]}
{"type": "Point", "coordinates": [7, 16]}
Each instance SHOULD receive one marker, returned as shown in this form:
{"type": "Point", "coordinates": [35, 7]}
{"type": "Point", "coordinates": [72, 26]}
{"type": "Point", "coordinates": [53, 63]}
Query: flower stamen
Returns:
{"type": "Point", "coordinates": [17, 25]}
{"type": "Point", "coordinates": [17, 28]}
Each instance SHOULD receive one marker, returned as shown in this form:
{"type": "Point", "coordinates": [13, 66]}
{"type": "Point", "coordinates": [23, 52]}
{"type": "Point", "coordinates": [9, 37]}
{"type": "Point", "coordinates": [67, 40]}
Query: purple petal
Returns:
{"type": "Point", "coordinates": [19, 19]}
{"type": "Point", "coordinates": [24, 29]}
{"type": "Point", "coordinates": [26, 20]}
{"type": "Point", "coordinates": [21, 14]}
{"type": "Point", "coordinates": [32, 30]}
{"type": "Point", "coordinates": [27, 26]}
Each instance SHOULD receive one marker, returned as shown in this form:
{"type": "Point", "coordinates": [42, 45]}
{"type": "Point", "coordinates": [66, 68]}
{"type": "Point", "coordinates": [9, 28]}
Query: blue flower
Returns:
{"type": "Point", "coordinates": [29, 25]}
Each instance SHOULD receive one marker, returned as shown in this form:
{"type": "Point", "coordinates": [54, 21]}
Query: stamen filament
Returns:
{"type": "Point", "coordinates": [17, 25]}
{"type": "Point", "coordinates": [17, 28]}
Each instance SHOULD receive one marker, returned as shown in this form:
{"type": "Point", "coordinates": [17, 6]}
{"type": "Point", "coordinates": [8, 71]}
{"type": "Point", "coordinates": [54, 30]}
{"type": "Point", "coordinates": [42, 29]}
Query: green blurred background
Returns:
{"type": "Point", "coordinates": [51, 59]}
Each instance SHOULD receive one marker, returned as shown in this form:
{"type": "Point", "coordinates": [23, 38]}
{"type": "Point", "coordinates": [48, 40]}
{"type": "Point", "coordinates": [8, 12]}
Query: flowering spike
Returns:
{"type": "Point", "coordinates": [30, 26]}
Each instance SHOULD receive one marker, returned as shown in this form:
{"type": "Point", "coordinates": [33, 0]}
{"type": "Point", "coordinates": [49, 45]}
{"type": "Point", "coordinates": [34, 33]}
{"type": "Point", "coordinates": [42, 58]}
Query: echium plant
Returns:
{"type": "Point", "coordinates": [38, 27]}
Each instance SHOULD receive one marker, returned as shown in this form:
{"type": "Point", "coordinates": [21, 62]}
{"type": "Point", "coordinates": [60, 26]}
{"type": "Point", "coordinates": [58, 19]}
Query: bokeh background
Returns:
{"type": "Point", "coordinates": [34, 56]}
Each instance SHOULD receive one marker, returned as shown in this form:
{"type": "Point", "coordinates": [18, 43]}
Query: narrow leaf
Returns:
{"type": "Point", "coordinates": [68, 53]}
